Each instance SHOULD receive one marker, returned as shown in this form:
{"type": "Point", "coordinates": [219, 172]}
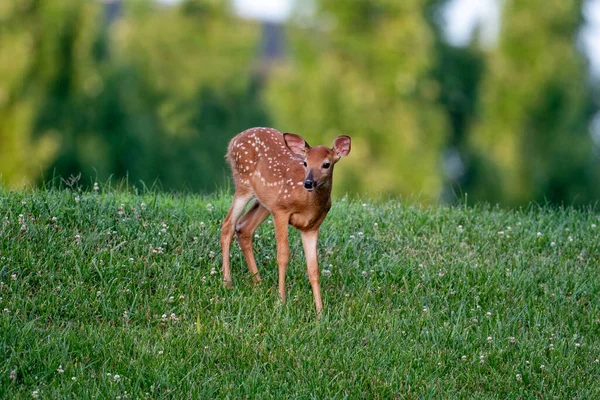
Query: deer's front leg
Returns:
{"type": "Point", "coordinates": [283, 249]}
{"type": "Point", "coordinates": [309, 240]}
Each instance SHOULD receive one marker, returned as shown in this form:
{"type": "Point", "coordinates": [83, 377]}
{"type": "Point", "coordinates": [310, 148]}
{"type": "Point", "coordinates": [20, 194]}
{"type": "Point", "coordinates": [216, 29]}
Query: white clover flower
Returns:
{"type": "Point", "coordinates": [96, 187]}
{"type": "Point", "coordinates": [464, 358]}
{"type": "Point", "coordinates": [117, 377]}
{"type": "Point", "coordinates": [213, 271]}
{"type": "Point", "coordinates": [519, 378]}
{"type": "Point", "coordinates": [425, 309]}
{"type": "Point", "coordinates": [553, 244]}
{"type": "Point", "coordinates": [489, 339]}
{"type": "Point", "coordinates": [360, 234]}
{"type": "Point", "coordinates": [539, 234]}
{"type": "Point", "coordinates": [211, 254]}
{"type": "Point", "coordinates": [501, 233]}
{"type": "Point", "coordinates": [35, 394]}
{"type": "Point", "coordinates": [209, 207]}
{"type": "Point", "coordinates": [593, 226]}
{"type": "Point", "coordinates": [364, 273]}
{"type": "Point", "coordinates": [488, 314]}
{"type": "Point", "coordinates": [326, 272]}
{"type": "Point", "coordinates": [60, 369]}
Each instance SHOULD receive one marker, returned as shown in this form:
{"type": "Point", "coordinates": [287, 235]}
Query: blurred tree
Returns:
{"type": "Point", "coordinates": [126, 99]}
{"type": "Point", "coordinates": [459, 71]}
{"type": "Point", "coordinates": [199, 65]}
{"type": "Point", "coordinates": [150, 91]}
{"type": "Point", "coordinates": [23, 157]}
{"type": "Point", "coordinates": [362, 69]}
{"type": "Point", "coordinates": [534, 110]}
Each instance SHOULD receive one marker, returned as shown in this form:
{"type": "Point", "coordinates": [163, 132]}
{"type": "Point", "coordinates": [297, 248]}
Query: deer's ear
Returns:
{"type": "Point", "coordinates": [296, 144]}
{"type": "Point", "coordinates": [341, 146]}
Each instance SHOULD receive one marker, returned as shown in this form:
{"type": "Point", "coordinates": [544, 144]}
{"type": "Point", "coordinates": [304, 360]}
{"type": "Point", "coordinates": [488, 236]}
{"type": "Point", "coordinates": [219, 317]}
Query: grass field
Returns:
{"type": "Point", "coordinates": [110, 294]}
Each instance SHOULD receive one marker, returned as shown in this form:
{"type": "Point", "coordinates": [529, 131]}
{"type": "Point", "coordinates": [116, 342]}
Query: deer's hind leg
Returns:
{"type": "Point", "coordinates": [245, 228]}
{"type": "Point", "coordinates": [228, 229]}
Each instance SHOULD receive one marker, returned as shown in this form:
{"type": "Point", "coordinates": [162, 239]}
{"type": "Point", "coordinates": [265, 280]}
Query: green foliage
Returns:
{"type": "Point", "coordinates": [364, 71]}
{"type": "Point", "coordinates": [22, 154]}
{"type": "Point", "coordinates": [158, 92]}
{"type": "Point", "coordinates": [131, 99]}
{"type": "Point", "coordinates": [534, 110]}
{"type": "Point", "coordinates": [107, 294]}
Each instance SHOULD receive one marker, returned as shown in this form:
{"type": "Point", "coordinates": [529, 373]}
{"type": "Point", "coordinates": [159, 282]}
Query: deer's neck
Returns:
{"type": "Point", "coordinates": [321, 198]}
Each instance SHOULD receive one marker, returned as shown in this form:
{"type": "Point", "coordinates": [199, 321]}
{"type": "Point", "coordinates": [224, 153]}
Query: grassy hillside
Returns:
{"type": "Point", "coordinates": [117, 295]}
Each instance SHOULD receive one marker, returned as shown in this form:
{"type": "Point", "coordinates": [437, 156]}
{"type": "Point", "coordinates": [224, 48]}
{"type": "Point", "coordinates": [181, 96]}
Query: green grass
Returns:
{"type": "Point", "coordinates": [106, 301]}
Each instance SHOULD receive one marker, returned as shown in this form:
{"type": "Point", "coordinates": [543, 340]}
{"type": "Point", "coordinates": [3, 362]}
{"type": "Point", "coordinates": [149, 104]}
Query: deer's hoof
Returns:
{"type": "Point", "coordinates": [227, 284]}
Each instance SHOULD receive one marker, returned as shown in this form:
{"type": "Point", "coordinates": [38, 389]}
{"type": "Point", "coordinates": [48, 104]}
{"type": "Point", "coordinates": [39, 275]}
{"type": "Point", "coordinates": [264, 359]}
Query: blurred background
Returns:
{"type": "Point", "coordinates": [495, 98]}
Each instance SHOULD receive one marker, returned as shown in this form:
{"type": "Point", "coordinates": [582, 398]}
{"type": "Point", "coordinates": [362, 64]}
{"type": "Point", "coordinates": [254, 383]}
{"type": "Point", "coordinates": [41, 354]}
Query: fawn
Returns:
{"type": "Point", "coordinates": [289, 179]}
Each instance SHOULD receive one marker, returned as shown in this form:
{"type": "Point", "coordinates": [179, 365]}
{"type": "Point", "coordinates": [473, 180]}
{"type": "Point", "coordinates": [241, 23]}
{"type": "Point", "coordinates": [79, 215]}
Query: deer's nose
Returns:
{"type": "Point", "coordinates": [309, 181]}
{"type": "Point", "coordinates": [309, 184]}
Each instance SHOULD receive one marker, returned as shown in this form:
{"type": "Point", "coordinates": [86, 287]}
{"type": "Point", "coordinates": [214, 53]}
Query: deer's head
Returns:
{"type": "Point", "coordinates": [318, 161]}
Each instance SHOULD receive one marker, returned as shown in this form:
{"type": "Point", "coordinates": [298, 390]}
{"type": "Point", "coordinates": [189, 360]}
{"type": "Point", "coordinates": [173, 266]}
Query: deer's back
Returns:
{"type": "Point", "coordinates": [260, 159]}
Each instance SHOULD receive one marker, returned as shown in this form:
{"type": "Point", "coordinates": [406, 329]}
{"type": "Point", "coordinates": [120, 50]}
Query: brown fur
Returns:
{"type": "Point", "coordinates": [268, 166]}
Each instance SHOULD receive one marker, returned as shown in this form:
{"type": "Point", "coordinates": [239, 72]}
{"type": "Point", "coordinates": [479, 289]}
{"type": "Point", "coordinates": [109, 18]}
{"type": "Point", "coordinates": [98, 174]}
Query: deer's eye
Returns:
{"type": "Point", "coordinates": [326, 165]}
{"type": "Point", "coordinates": [304, 163]}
